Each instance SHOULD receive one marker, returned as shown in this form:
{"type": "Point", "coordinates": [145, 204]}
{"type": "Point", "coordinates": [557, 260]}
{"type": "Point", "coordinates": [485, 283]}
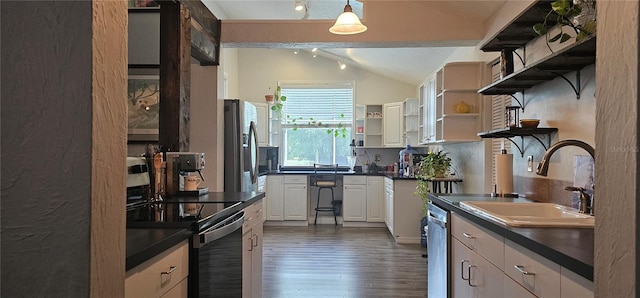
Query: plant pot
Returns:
{"type": "Point", "coordinates": [268, 98]}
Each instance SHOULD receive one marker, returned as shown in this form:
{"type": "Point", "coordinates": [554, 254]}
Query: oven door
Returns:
{"type": "Point", "coordinates": [220, 259]}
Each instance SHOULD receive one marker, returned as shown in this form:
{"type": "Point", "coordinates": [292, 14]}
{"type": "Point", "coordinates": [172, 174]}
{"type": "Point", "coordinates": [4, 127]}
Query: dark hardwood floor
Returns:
{"type": "Point", "coordinates": [329, 261]}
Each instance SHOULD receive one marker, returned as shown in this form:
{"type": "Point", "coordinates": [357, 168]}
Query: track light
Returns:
{"type": "Point", "coordinates": [347, 23]}
{"type": "Point", "coordinates": [342, 65]}
{"type": "Point", "coordinates": [299, 6]}
{"type": "Point", "coordinates": [314, 52]}
{"type": "Point", "coordinates": [296, 52]}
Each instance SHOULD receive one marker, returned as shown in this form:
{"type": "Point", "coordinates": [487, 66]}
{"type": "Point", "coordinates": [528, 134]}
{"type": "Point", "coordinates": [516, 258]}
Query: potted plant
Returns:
{"type": "Point", "coordinates": [579, 15]}
{"type": "Point", "coordinates": [277, 101]}
{"type": "Point", "coordinates": [433, 165]}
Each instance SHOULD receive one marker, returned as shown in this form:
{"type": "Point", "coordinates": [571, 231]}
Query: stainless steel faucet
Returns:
{"type": "Point", "coordinates": [543, 166]}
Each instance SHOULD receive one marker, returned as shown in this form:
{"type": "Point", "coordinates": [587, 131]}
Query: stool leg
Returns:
{"type": "Point", "coordinates": [335, 218]}
{"type": "Point", "coordinates": [317, 206]}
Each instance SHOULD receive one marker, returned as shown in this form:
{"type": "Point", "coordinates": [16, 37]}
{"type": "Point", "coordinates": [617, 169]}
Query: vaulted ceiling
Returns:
{"type": "Point", "coordinates": [406, 40]}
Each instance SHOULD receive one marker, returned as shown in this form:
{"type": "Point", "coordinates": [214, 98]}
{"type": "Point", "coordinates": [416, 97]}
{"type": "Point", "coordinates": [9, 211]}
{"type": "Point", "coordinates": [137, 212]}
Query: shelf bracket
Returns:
{"type": "Point", "coordinates": [518, 101]}
{"type": "Point", "coordinates": [576, 87]}
{"type": "Point", "coordinates": [520, 149]}
{"type": "Point", "coordinates": [524, 52]}
{"type": "Point", "coordinates": [521, 145]}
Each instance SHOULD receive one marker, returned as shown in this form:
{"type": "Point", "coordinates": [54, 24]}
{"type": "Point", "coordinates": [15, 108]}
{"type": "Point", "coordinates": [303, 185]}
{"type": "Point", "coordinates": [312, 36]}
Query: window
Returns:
{"type": "Point", "coordinates": [316, 124]}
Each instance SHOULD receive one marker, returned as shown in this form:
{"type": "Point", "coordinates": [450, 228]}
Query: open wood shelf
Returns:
{"type": "Point", "coordinates": [520, 31]}
{"type": "Point", "coordinates": [510, 132]}
{"type": "Point", "coordinates": [572, 58]}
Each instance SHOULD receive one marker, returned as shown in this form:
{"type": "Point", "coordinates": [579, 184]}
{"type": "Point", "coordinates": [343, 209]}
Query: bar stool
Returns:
{"type": "Point", "coordinates": [325, 177]}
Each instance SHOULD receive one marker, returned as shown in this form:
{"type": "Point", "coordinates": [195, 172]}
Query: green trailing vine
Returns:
{"type": "Point", "coordinates": [563, 12]}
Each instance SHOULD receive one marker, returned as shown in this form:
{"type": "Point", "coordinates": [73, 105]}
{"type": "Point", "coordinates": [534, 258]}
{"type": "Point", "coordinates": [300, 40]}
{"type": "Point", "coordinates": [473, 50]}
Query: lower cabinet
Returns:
{"type": "Point", "coordinates": [403, 210]}
{"type": "Point", "coordinates": [295, 197]}
{"type": "Point", "coordinates": [473, 275]}
{"type": "Point", "coordinates": [375, 199]}
{"type": "Point", "coordinates": [252, 234]}
{"type": "Point", "coordinates": [164, 275]}
{"type": "Point", "coordinates": [485, 264]}
{"type": "Point", "coordinates": [274, 198]}
{"type": "Point", "coordinates": [354, 198]}
{"type": "Point", "coordinates": [286, 197]}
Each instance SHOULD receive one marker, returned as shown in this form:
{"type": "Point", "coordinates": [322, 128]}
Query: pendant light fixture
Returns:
{"type": "Point", "coordinates": [347, 23]}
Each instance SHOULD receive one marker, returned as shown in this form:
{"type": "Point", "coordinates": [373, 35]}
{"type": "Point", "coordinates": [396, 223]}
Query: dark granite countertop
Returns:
{"type": "Point", "coordinates": [571, 248]}
{"type": "Point", "coordinates": [147, 239]}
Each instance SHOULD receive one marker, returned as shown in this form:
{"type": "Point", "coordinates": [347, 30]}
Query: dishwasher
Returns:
{"type": "Point", "coordinates": [438, 254]}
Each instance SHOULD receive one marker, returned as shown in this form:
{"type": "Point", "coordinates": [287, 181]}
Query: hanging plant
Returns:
{"type": "Point", "coordinates": [577, 15]}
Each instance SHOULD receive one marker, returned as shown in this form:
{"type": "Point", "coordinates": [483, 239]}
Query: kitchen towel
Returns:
{"type": "Point", "coordinates": [504, 173]}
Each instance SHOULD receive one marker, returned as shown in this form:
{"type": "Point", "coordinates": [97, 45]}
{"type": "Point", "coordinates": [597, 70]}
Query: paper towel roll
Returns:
{"type": "Point", "coordinates": [504, 173]}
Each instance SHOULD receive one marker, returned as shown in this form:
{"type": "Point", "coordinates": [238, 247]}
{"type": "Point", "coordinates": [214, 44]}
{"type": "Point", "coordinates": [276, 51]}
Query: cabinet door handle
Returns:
{"type": "Point", "coordinates": [469, 280]}
{"type": "Point", "coordinates": [254, 242]}
{"type": "Point", "coordinates": [171, 269]}
{"type": "Point", "coordinates": [521, 269]}
{"type": "Point", "coordinates": [251, 244]}
{"type": "Point", "coordinates": [468, 236]}
{"type": "Point", "coordinates": [462, 270]}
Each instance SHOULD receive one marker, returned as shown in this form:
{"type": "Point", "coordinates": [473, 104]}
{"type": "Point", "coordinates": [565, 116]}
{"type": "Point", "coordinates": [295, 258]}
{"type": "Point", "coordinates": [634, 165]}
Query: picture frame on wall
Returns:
{"type": "Point", "coordinates": [143, 104]}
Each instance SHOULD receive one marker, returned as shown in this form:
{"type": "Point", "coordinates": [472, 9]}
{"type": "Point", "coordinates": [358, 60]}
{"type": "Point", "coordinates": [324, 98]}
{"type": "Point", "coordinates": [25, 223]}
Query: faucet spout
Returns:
{"type": "Point", "coordinates": [543, 166]}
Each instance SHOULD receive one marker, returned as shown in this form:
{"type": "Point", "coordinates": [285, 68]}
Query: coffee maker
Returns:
{"type": "Point", "coordinates": [181, 165]}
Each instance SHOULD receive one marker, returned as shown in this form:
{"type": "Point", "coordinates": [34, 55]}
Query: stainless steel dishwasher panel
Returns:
{"type": "Point", "coordinates": [438, 253]}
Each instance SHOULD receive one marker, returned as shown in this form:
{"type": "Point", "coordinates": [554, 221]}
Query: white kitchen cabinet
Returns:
{"type": "Point", "coordinates": [428, 109]}
{"type": "Point", "coordinates": [522, 272]}
{"type": "Point", "coordinates": [354, 198]}
{"type": "Point", "coordinates": [263, 124]}
{"type": "Point", "coordinates": [368, 125]}
{"type": "Point", "coordinates": [455, 84]}
{"type": "Point", "coordinates": [274, 199]}
{"type": "Point", "coordinates": [388, 202]}
{"type": "Point", "coordinates": [573, 285]}
{"type": "Point", "coordinates": [159, 275]}
{"type": "Point", "coordinates": [295, 197]}
{"type": "Point", "coordinates": [403, 210]}
{"type": "Point", "coordinates": [262, 187]}
{"type": "Point", "coordinates": [252, 234]}
{"type": "Point", "coordinates": [473, 275]}
{"type": "Point", "coordinates": [375, 199]}
{"type": "Point", "coordinates": [393, 124]}
{"type": "Point", "coordinates": [543, 279]}
{"type": "Point", "coordinates": [411, 110]}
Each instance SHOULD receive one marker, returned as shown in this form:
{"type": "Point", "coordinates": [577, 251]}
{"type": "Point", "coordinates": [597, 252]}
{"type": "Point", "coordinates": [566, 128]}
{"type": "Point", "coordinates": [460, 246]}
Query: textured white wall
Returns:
{"type": "Point", "coordinates": [616, 240]}
{"type": "Point", "coordinates": [260, 69]}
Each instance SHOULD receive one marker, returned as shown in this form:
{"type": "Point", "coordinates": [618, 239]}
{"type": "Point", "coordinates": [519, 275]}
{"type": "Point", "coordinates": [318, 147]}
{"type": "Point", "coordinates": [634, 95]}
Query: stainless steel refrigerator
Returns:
{"type": "Point", "coordinates": [240, 146]}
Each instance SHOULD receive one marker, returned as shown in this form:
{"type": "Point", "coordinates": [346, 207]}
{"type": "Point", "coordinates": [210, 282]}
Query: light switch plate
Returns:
{"type": "Point", "coordinates": [530, 163]}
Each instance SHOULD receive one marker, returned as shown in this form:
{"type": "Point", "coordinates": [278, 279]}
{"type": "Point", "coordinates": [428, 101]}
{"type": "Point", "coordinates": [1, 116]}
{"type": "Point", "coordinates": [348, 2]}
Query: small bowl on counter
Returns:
{"type": "Point", "coordinates": [529, 123]}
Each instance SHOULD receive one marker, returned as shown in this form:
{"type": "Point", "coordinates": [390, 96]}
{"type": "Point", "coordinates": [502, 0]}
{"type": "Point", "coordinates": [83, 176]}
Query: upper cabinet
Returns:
{"type": "Point", "coordinates": [411, 121]}
{"type": "Point", "coordinates": [393, 124]}
{"type": "Point", "coordinates": [451, 103]}
{"type": "Point", "coordinates": [517, 35]}
{"type": "Point", "coordinates": [369, 125]}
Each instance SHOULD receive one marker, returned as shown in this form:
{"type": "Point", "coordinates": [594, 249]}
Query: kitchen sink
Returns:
{"type": "Point", "coordinates": [530, 214]}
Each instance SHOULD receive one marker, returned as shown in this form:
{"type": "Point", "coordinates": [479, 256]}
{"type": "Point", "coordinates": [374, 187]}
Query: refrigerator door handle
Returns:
{"type": "Point", "coordinates": [253, 149]}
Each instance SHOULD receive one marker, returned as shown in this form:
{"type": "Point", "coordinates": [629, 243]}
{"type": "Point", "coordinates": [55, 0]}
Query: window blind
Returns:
{"type": "Point", "coordinates": [498, 105]}
{"type": "Point", "coordinates": [329, 104]}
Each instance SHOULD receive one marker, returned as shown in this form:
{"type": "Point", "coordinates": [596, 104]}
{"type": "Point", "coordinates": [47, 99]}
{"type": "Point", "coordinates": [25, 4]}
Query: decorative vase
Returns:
{"type": "Point", "coordinates": [268, 98]}
{"type": "Point", "coordinates": [462, 107]}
